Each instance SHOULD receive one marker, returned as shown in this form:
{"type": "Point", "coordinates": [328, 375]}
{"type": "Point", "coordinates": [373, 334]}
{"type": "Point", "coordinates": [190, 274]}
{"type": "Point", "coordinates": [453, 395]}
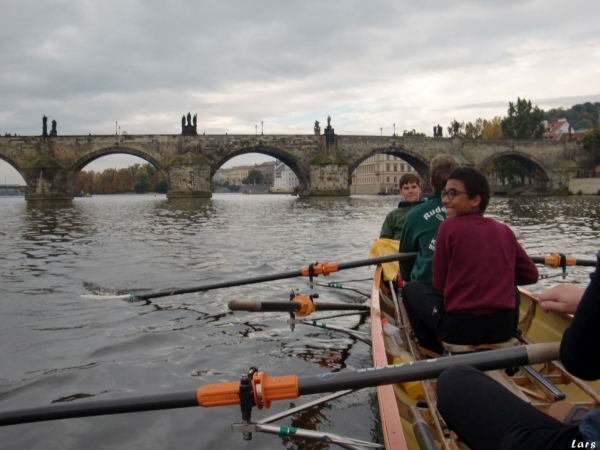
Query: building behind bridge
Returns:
{"type": "Point", "coordinates": [379, 174]}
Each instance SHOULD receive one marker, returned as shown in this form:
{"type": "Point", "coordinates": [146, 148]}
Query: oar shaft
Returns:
{"type": "Point", "coordinates": [225, 284]}
{"type": "Point", "coordinates": [378, 260]}
{"type": "Point", "coordinates": [280, 276]}
{"type": "Point", "coordinates": [100, 407]}
{"type": "Point", "coordinates": [427, 369]}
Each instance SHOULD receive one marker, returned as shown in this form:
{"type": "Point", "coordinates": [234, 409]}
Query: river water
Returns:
{"type": "Point", "coordinates": [56, 346]}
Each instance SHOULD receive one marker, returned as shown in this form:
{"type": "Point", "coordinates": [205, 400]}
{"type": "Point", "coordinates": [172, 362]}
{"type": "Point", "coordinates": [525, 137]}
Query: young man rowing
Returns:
{"type": "Point", "coordinates": [476, 265]}
{"type": "Point", "coordinates": [410, 189]}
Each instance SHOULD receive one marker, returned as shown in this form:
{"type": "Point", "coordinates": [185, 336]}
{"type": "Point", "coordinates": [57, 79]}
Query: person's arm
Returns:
{"type": "Point", "coordinates": [563, 298]}
{"type": "Point", "coordinates": [580, 345]}
{"type": "Point", "coordinates": [526, 271]}
{"type": "Point", "coordinates": [441, 258]}
{"type": "Point", "coordinates": [407, 244]}
{"type": "Point", "coordinates": [387, 229]}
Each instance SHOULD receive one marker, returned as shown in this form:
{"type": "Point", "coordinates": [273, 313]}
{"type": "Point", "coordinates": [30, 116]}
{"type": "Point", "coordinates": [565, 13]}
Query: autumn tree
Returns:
{"type": "Point", "coordinates": [523, 121]}
{"type": "Point", "coordinates": [150, 169]}
{"type": "Point", "coordinates": [492, 129]}
{"type": "Point", "coordinates": [474, 130]}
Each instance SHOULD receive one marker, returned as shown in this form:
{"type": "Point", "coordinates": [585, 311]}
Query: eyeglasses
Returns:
{"type": "Point", "coordinates": [451, 193]}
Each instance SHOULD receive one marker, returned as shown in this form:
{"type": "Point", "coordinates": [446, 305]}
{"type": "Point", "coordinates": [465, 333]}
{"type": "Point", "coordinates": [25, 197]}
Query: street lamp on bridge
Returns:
{"type": "Point", "coordinates": [261, 127]}
{"type": "Point", "coordinates": [381, 131]}
{"type": "Point", "coordinates": [394, 130]}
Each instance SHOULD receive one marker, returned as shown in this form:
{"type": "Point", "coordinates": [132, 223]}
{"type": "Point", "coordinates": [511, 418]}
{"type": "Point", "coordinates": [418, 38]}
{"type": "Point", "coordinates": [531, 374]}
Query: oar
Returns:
{"type": "Point", "coordinates": [555, 260]}
{"type": "Point", "coordinates": [303, 308]}
{"type": "Point", "coordinates": [264, 390]}
{"type": "Point", "coordinates": [324, 269]}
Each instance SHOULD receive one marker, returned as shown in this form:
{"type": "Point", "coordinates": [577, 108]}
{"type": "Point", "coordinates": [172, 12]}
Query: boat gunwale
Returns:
{"type": "Point", "coordinates": [393, 431]}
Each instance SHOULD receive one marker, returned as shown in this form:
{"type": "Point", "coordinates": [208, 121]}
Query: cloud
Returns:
{"type": "Point", "coordinates": [369, 65]}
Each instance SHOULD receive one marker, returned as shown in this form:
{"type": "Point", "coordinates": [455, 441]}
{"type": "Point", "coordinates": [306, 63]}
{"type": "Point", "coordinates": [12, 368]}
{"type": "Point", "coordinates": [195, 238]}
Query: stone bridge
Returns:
{"type": "Point", "coordinates": [322, 163]}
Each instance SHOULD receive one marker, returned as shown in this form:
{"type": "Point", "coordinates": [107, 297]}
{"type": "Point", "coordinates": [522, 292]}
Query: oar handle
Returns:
{"type": "Point", "coordinates": [253, 305]}
{"type": "Point", "coordinates": [555, 260]}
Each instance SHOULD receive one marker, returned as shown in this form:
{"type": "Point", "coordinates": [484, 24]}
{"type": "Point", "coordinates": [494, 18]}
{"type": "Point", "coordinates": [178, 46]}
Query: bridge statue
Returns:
{"type": "Point", "coordinates": [317, 128]}
{"type": "Point", "coordinates": [44, 126]}
{"type": "Point", "coordinates": [53, 131]}
{"type": "Point", "coordinates": [189, 128]}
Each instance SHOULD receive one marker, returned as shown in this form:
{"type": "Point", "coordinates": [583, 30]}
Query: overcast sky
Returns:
{"type": "Point", "coordinates": [88, 64]}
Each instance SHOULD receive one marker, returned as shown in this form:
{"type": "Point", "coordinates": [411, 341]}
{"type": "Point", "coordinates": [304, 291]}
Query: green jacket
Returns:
{"type": "Point", "coordinates": [394, 221]}
{"type": "Point", "coordinates": [418, 235]}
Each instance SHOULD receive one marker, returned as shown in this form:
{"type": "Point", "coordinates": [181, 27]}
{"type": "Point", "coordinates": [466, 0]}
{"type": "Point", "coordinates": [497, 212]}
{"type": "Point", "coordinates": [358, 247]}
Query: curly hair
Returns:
{"type": "Point", "coordinates": [475, 183]}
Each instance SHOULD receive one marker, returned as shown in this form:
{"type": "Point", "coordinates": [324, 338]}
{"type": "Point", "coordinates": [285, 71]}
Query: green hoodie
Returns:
{"type": "Point", "coordinates": [394, 221]}
{"type": "Point", "coordinates": [418, 235]}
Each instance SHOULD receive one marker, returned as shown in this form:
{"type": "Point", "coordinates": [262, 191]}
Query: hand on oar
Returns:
{"type": "Point", "coordinates": [259, 390]}
{"type": "Point", "coordinates": [313, 270]}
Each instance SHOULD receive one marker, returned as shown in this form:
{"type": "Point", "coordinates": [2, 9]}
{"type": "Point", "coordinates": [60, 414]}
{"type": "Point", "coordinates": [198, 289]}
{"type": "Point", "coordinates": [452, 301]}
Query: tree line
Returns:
{"type": "Point", "coordinates": [137, 178]}
{"type": "Point", "coordinates": [525, 121]}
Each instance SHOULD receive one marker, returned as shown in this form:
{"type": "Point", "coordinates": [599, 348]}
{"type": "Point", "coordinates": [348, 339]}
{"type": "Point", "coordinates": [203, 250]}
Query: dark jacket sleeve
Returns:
{"type": "Point", "coordinates": [387, 229]}
{"type": "Point", "coordinates": [580, 345]}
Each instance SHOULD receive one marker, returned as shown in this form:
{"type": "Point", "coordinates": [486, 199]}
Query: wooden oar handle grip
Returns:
{"type": "Point", "coordinates": [245, 305]}
{"type": "Point", "coordinates": [254, 305]}
{"type": "Point", "coordinates": [541, 353]}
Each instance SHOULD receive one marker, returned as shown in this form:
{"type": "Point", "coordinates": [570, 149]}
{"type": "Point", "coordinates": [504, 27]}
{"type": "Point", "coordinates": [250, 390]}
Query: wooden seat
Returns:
{"type": "Point", "coordinates": [459, 348]}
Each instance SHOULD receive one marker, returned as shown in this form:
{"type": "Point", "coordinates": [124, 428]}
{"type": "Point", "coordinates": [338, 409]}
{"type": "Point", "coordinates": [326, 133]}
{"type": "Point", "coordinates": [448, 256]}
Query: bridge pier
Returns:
{"type": "Point", "coordinates": [189, 177]}
{"type": "Point", "coordinates": [46, 180]}
{"type": "Point", "coordinates": [328, 180]}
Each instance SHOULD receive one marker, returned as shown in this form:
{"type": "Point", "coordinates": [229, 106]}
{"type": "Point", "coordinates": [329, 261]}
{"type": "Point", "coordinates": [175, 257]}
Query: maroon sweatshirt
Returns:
{"type": "Point", "coordinates": [477, 263]}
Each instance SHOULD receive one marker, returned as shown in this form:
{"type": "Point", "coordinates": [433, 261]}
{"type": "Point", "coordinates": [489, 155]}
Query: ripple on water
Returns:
{"type": "Point", "coordinates": [63, 348]}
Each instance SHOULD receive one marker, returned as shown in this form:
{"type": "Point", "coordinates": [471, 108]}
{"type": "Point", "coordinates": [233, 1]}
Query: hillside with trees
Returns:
{"type": "Point", "coordinates": [137, 178]}
{"type": "Point", "coordinates": [580, 117]}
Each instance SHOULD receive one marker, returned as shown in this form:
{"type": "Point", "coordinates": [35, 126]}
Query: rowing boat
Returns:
{"type": "Point", "coordinates": [412, 423]}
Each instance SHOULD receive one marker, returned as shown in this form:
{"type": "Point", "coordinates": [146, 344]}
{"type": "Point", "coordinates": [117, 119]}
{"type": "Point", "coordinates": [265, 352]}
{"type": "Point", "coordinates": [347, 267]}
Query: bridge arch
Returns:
{"type": "Point", "coordinates": [78, 165]}
{"type": "Point", "coordinates": [14, 165]}
{"type": "Point", "coordinates": [419, 162]}
{"type": "Point", "coordinates": [536, 169]}
{"type": "Point", "coordinates": [300, 170]}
